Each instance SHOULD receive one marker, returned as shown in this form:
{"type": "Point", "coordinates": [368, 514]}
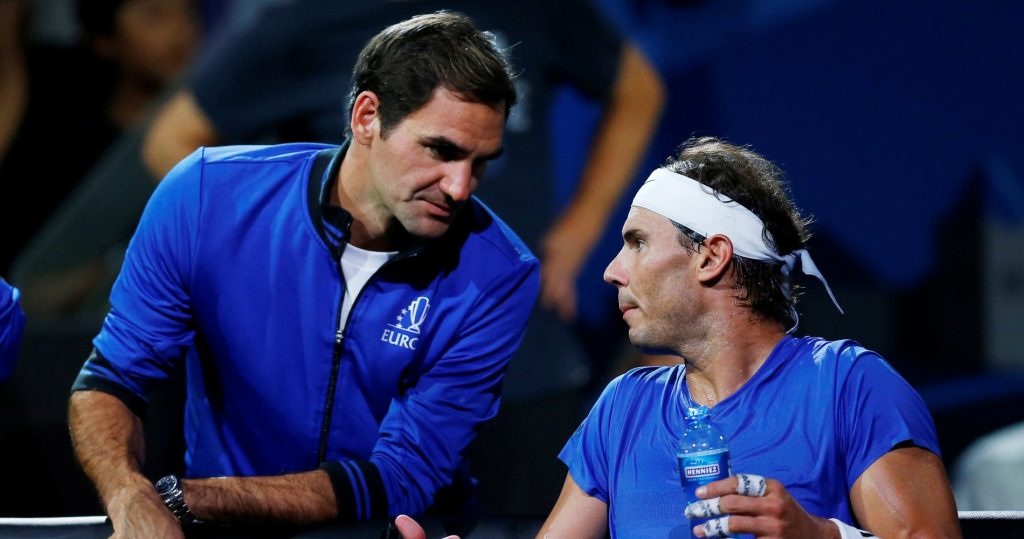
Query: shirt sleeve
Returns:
{"type": "Point", "coordinates": [426, 429]}
{"type": "Point", "coordinates": [12, 323]}
{"type": "Point", "coordinates": [880, 411]}
{"type": "Point", "coordinates": [587, 451]}
{"type": "Point", "coordinates": [149, 326]}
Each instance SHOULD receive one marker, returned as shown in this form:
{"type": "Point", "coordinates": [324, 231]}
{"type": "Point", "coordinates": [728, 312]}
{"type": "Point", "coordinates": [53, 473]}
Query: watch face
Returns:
{"type": "Point", "coordinates": [166, 484]}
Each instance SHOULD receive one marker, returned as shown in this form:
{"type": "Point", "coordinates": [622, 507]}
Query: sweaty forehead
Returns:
{"type": "Point", "coordinates": [646, 220]}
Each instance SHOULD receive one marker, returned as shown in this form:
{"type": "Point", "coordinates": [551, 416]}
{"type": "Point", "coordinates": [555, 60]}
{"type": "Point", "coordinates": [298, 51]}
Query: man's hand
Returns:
{"type": "Point", "coordinates": [410, 529]}
{"type": "Point", "coordinates": [565, 250]}
{"type": "Point", "coordinates": [108, 442]}
{"type": "Point", "coordinates": [775, 515]}
{"type": "Point", "coordinates": [139, 512]}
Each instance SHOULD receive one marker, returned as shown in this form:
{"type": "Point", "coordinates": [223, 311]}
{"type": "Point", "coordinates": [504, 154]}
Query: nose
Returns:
{"type": "Point", "coordinates": [458, 182]}
{"type": "Point", "coordinates": [614, 274]}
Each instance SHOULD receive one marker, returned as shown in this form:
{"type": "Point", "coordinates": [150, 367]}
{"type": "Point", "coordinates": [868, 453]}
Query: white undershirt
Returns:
{"type": "Point", "coordinates": [358, 265]}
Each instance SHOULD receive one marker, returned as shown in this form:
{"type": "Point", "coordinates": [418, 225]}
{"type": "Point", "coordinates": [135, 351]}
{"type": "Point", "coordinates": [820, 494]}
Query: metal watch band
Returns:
{"type": "Point", "coordinates": [169, 487]}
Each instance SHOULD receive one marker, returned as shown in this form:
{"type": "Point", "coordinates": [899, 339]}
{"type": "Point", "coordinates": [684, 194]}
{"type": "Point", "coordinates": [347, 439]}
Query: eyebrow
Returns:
{"type": "Point", "coordinates": [632, 234]}
{"type": "Point", "coordinates": [446, 144]}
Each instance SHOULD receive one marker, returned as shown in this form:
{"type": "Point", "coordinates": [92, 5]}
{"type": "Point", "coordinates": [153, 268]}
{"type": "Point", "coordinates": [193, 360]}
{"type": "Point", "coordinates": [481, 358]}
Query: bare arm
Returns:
{"type": "Point", "coordinates": [179, 127]}
{"type": "Point", "coordinates": [906, 494]}
{"type": "Point", "coordinates": [108, 442]}
{"type": "Point", "coordinates": [625, 130]}
{"type": "Point", "coordinates": [576, 514]}
{"type": "Point", "coordinates": [300, 498]}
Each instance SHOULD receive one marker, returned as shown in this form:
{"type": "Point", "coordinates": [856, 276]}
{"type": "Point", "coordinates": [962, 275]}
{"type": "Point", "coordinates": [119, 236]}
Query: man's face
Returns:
{"type": "Point", "coordinates": [425, 168]}
{"type": "Point", "coordinates": [656, 283]}
{"type": "Point", "coordinates": [154, 39]}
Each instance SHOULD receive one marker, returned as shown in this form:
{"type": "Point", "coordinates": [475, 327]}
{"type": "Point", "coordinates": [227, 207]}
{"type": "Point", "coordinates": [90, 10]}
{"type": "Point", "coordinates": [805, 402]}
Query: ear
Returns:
{"type": "Point", "coordinates": [365, 122]}
{"type": "Point", "coordinates": [713, 258]}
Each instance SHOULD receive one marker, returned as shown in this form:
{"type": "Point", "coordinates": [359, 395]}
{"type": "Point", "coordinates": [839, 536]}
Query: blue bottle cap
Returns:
{"type": "Point", "coordinates": [697, 412]}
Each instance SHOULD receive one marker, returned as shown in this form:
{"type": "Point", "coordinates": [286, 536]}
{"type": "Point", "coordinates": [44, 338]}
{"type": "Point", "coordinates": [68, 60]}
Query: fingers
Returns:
{"type": "Point", "coordinates": [559, 294]}
{"type": "Point", "coordinates": [750, 489]}
{"type": "Point", "coordinates": [409, 528]}
{"type": "Point", "coordinates": [751, 504]}
{"type": "Point", "coordinates": [729, 525]}
{"type": "Point", "coordinates": [751, 485]}
{"type": "Point", "coordinates": [564, 254]}
{"type": "Point", "coordinates": [704, 508]}
{"type": "Point", "coordinates": [743, 484]}
{"type": "Point", "coordinates": [718, 527]}
{"type": "Point", "coordinates": [567, 307]}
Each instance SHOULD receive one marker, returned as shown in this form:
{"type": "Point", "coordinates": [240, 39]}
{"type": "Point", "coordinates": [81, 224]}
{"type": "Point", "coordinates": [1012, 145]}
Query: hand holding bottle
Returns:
{"type": "Point", "coordinates": [751, 504]}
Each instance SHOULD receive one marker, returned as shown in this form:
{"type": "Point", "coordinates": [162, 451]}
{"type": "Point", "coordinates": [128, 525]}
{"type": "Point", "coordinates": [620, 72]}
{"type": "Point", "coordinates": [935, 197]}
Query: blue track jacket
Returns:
{"type": "Point", "coordinates": [235, 268]}
{"type": "Point", "coordinates": [12, 323]}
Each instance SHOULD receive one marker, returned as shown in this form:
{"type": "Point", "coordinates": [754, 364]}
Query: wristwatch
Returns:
{"type": "Point", "coordinates": [169, 487]}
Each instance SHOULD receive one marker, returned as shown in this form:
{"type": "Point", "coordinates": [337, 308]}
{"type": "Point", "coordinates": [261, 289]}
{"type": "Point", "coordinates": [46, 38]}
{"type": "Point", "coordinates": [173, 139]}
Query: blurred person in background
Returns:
{"type": "Point", "coordinates": [69, 104]}
{"type": "Point", "coordinates": [147, 44]}
{"type": "Point", "coordinates": [989, 474]}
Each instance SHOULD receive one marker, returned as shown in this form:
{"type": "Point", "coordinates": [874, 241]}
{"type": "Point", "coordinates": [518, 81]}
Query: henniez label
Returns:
{"type": "Point", "coordinates": [705, 466]}
{"type": "Point", "coordinates": [696, 472]}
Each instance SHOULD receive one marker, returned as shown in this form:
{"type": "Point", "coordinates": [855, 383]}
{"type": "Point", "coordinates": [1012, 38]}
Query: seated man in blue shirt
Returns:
{"type": "Point", "coordinates": [345, 314]}
{"type": "Point", "coordinates": [705, 273]}
{"type": "Point", "coordinates": [12, 322]}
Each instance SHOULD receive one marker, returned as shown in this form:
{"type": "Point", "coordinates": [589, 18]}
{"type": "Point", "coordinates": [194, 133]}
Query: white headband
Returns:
{"type": "Point", "coordinates": [695, 206]}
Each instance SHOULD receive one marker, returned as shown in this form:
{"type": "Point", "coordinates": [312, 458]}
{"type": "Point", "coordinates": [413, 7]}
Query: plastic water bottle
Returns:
{"type": "Point", "coordinates": [703, 455]}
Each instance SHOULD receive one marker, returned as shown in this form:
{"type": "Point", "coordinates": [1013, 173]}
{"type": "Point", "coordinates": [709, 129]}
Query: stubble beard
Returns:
{"type": "Point", "coordinates": [647, 340]}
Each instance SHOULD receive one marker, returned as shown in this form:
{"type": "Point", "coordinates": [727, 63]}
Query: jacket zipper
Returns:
{"type": "Point", "coordinates": [339, 339]}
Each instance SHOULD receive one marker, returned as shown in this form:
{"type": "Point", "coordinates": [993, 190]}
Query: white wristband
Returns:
{"type": "Point", "coordinates": [849, 532]}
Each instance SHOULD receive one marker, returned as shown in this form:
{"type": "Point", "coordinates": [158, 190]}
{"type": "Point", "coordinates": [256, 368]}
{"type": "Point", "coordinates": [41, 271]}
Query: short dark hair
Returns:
{"type": "Point", "coordinates": [407, 61]}
{"type": "Point", "coordinates": [739, 173]}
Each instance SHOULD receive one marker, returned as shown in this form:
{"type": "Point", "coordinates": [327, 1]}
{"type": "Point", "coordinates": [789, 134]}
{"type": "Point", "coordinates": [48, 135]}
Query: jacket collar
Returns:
{"type": "Point", "coordinates": [333, 223]}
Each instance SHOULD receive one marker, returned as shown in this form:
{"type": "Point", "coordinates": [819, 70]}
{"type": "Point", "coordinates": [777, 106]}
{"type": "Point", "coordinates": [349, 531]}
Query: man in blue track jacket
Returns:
{"type": "Point", "coordinates": [345, 314]}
